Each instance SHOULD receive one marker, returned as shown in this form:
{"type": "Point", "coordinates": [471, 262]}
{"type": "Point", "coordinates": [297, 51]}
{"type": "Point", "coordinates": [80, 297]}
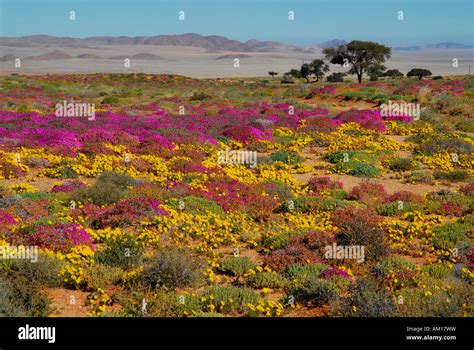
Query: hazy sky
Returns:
{"type": "Point", "coordinates": [425, 21]}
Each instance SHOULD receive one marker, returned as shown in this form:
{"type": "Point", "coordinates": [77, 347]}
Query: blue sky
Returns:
{"type": "Point", "coordinates": [426, 21]}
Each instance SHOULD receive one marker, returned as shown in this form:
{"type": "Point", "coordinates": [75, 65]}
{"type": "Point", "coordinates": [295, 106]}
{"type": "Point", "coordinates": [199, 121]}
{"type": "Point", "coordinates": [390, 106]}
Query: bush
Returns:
{"type": "Point", "coordinates": [19, 297]}
{"type": "Point", "coordinates": [403, 164]}
{"type": "Point", "coordinates": [368, 299]}
{"type": "Point", "coordinates": [122, 251]}
{"type": "Point", "coordinates": [315, 291]}
{"type": "Point", "coordinates": [301, 272]}
{"type": "Point", "coordinates": [286, 157]}
{"type": "Point", "coordinates": [197, 205]}
{"type": "Point", "coordinates": [336, 77]}
{"type": "Point", "coordinates": [362, 169]}
{"type": "Point", "coordinates": [101, 276]}
{"type": "Point", "coordinates": [449, 235]}
{"type": "Point", "coordinates": [361, 227]}
{"type": "Point", "coordinates": [304, 204]}
{"type": "Point", "coordinates": [318, 184]}
{"type": "Point", "coordinates": [369, 193]}
{"type": "Point", "coordinates": [392, 209]}
{"type": "Point", "coordinates": [236, 266]}
{"type": "Point", "coordinates": [451, 302]}
{"type": "Point", "coordinates": [454, 176]}
{"type": "Point", "coordinates": [109, 188]}
{"type": "Point", "coordinates": [173, 268]}
{"type": "Point", "coordinates": [229, 298]}
{"type": "Point", "coordinates": [266, 280]}
{"type": "Point", "coordinates": [438, 271]}
{"type": "Point", "coordinates": [44, 271]}
{"type": "Point", "coordinates": [420, 177]}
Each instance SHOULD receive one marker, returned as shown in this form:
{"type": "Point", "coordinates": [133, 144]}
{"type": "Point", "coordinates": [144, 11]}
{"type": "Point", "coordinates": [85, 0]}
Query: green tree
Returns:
{"type": "Point", "coordinates": [317, 68]}
{"type": "Point", "coordinates": [272, 74]}
{"type": "Point", "coordinates": [361, 56]}
{"type": "Point", "coordinates": [393, 73]}
{"type": "Point", "coordinates": [419, 73]}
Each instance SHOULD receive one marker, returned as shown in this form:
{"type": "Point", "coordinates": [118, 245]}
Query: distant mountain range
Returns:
{"type": "Point", "coordinates": [445, 45]}
{"type": "Point", "coordinates": [212, 43]}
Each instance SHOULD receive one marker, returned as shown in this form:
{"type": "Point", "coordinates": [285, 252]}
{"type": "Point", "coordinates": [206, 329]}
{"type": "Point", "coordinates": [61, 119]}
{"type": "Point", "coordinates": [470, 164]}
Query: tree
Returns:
{"type": "Point", "coordinates": [295, 73]}
{"type": "Point", "coordinates": [419, 73]}
{"type": "Point", "coordinates": [317, 68]}
{"type": "Point", "coordinates": [361, 56]}
{"type": "Point", "coordinates": [393, 73]}
{"type": "Point", "coordinates": [336, 77]}
{"type": "Point", "coordinates": [272, 74]}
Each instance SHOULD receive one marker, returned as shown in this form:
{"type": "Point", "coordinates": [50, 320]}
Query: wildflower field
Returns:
{"type": "Point", "coordinates": [137, 212]}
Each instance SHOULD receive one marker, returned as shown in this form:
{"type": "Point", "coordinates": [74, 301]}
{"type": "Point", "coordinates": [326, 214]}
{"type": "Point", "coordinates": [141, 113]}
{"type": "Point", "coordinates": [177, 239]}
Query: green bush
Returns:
{"type": "Point", "coordinates": [44, 271]}
{"type": "Point", "coordinates": [315, 291]}
{"type": "Point", "coordinates": [286, 157]}
{"type": "Point", "coordinates": [440, 303]}
{"type": "Point", "coordinates": [236, 266]}
{"type": "Point", "coordinates": [438, 271]}
{"type": "Point", "coordinates": [122, 251]}
{"type": "Point", "coordinates": [367, 299]}
{"type": "Point", "coordinates": [454, 176]}
{"type": "Point", "coordinates": [267, 280]}
{"type": "Point", "coordinates": [392, 209]}
{"type": "Point", "coordinates": [420, 177]}
{"type": "Point", "coordinates": [173, 268]}
{"type": "Point", "coordinates": [403, 164]}
{"type": "Point", "coordinates": [101, 276]}
{"type": "Point", "coordinates": [19, 297]}
{"type": "Point", "coordinates": [196, 205]}
{"type": "Point", "coordinates": [301, 272]}
{"type": "Point", "coordinates": [449, 235]}
{"type": "Point", "coordinates": [230, 298]}
{"type": "Point", "coordinates": [109, 188]}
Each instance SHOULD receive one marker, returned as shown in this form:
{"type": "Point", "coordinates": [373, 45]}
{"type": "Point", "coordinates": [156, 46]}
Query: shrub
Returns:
{"type": "Point", "coordinates": [367, 299]}
{"type": "Point", "coordinates": [449, 235]}
{"type": "Point", "coordinates": [229, 298]}
{"type": "Point", "coordinates": [403, 164]}
{"type": "Point", "coordinates": [109, 188]}
{"type": "Point", "coordinates": [420, 177]}
{"type": "Point", "coordinates": [362, 169]}
{"type": "Point", "coordinates": [318, 184]}
{"type": "Point", "coordinates": [173, 268]}
{"type": "Point", "coordinates": [454, 176]}
{"type": "Point", "coordinates": [303, 204]}
{"type": "Point", "coordinates": [19, 297]}
{"type": "Point", "coordinates": [197, 205]}
{"type": "Point", "coordinates": [291, 254]}
{"type": "Point", "coordinates": [315, 291]}
{"type": "Point", "coordinates": [45, 271]}
{"type": "Point", "coordinates": [236, 265]}
{"type": "Point", "coordinates": [336, 77]}
{"type": "Point", "coordinates": [438, 271]}
{"type": "Point", "coordinates": [266, 280]}
{"type": "Point", "coordinates": [368, 192]}
{"type": "Point", "coordinates": [361, 227]}
{"type": "Point", "coordinates": [301, 272]}
{"type": "Point", "coordinates": [101, 276]}
{"type": "Point", "coordinates": [437, 303]}
{"type": "Point", "coordinates": [468, 189]}
{"type": "Point", "coordinates": [126, 212]}
{"type": "Point", "coordinates": [392, 209]}
{"type": "Point", "coordinates": [57, 237]}
{"type": "Point", "coordinates": [122, 251]}
{"type": "Point", "coordinates": [286, 157]}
